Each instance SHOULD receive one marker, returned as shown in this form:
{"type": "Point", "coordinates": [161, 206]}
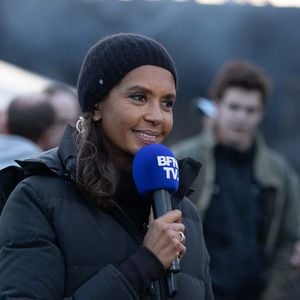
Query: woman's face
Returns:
{"type": "Point", "coordinates": [138, 111]}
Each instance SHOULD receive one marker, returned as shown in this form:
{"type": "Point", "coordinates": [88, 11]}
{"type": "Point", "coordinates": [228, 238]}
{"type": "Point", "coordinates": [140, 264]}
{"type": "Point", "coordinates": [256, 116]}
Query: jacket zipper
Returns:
{"type": "Point", "coordinates": [154, 285]}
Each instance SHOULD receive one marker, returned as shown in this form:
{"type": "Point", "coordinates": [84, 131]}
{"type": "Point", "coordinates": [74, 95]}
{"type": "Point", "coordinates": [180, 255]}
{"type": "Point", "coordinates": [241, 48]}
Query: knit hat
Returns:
{"type": "Point", "coordinates": [111, 58]}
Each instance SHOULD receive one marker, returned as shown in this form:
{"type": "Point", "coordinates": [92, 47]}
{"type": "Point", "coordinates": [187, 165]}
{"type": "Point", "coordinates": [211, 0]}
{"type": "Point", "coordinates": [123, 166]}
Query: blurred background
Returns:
{"type": "Point", "coordinates": [46, 40]}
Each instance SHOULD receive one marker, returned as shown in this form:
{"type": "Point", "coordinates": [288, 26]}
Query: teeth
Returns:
{"type": "Point", "coordinates": [147, 136]}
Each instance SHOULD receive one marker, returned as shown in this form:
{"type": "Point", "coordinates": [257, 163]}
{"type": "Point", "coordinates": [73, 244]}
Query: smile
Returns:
{"type": "Point", "coordinates": [147, 137]}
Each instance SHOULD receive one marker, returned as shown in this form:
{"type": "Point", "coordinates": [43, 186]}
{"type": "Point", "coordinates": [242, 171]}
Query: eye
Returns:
{"type": "Point", "coordinates": [251, 110]}
{"type": "Point", "coordinates": [168, 103]}
{"type": "Point", "coordinates": [234, 107]}
{"type": "Point", "coordinates": [138, 97]}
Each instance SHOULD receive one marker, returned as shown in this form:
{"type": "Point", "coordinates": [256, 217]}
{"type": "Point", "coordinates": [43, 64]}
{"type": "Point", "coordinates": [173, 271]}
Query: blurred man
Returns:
{"type": "Point", "coordinates": [29, 118]}
{"type": "Point", "coordinates": [248, 194]}
{"type": "Point", "coordinates": [64, 101]}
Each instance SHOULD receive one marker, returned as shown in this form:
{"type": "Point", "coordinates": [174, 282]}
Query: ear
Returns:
{"type": "Point", "coordinates": [98, 112]}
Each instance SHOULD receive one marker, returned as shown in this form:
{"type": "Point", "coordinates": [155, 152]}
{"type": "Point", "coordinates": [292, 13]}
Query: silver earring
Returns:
{"type": "Point", "coordinates": [79, 125]}
{"type": "Point", "coordinates": [96, 119]}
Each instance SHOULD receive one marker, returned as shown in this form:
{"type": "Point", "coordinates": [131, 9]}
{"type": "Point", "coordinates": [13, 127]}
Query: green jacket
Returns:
{"type": "Point", "coordinates": [283, 203]}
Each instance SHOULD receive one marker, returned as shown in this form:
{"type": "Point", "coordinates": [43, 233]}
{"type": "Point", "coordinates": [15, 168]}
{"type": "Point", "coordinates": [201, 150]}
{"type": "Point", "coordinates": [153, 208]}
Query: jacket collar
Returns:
{"type": "Point", "coordinates": [61, 162]}
{"type": "Point", "coordinates": [188, 171]}
{"type": "Point", "coordinates": [67, 151]}
{"type": "Point", "coordinates": [263, 167]}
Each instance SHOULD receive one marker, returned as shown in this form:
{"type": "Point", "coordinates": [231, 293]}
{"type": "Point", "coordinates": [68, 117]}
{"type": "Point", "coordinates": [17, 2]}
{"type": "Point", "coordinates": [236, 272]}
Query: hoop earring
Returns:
{"type": "Point", "coordinates": [79, 125]}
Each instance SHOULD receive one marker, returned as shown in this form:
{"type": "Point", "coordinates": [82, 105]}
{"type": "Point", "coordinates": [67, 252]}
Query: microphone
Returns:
{"type": "Point", "coordinates": [156, 174]}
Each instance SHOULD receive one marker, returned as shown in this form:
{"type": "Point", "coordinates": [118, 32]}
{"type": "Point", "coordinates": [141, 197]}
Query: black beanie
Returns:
{"type": "Point", "coordinates": [109, 60]}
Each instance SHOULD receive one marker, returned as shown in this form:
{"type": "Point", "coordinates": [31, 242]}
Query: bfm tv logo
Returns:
{"type": "Point", "coordinates": [170, 166]}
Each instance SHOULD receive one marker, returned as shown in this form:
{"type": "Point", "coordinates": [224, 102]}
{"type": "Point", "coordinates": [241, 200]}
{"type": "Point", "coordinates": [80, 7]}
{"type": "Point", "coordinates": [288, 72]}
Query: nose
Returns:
{"type": "Point", "coordinates": [154, 113]}
{"type": "Point", "coordinates": [241, 114]}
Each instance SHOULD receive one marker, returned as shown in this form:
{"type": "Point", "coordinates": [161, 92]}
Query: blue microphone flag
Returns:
{"type": "Point", "coordinates": [154, 168]}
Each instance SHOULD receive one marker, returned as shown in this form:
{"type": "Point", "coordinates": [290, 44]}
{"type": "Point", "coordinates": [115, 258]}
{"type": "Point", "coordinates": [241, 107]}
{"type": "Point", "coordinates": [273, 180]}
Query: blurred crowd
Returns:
{"type": "Point", "coordinates": [35, 122]}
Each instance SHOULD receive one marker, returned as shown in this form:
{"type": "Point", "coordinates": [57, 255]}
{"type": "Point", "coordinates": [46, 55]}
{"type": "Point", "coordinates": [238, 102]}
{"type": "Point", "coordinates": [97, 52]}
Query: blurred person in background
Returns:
{"type": "Point", "coordinates": [65, 103]}
{"type": "Point", "coordinates": [247, 193]}
{"type": "Point", "coordinates": [28, 120]}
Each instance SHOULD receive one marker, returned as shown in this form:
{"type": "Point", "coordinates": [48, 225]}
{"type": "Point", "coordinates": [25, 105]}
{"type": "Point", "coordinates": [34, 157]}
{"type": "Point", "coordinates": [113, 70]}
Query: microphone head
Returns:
{"type": "Point", "coordinates": [154, 168]}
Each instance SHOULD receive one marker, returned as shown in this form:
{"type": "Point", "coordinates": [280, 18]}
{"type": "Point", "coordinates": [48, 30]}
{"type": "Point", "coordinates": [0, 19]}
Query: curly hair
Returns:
{"type": "Point", "coordinates": [96, 172]}
{"type": "Point", "coordinates": [243, 74]}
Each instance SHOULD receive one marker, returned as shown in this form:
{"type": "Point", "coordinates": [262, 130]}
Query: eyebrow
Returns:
{"type": "Point", "coordinates": [148, 91]}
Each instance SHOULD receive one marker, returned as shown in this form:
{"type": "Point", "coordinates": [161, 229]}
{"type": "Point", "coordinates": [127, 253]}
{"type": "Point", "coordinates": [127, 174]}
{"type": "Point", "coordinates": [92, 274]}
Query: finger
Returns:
{"type": "Point", "coordinates": [182, 237]}
{"type": "Point", "coordinates": [174, 216]}
{"type": "Point", "coordinates": [182, 252]}
{"type": "Point", "coordinates": [172, 228]}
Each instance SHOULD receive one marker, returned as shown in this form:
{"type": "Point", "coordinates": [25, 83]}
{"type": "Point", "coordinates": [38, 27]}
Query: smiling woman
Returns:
{"type": "Point", "coordinates": [138, 111]}
{"type": "Point", "coordinates": [77, 225]}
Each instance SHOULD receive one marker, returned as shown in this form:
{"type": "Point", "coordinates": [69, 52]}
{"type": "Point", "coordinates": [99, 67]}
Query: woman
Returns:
{"type": "Point", "coordinates": [76, 228]}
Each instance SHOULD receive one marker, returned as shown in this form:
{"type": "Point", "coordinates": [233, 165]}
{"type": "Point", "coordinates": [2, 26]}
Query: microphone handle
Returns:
{"type": "Point", "coordinates": [162, 204]}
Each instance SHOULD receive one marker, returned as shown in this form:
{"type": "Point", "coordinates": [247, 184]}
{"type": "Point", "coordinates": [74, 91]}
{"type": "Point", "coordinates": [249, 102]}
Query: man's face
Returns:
{"type": "Point", "coordinates": [239, 114]}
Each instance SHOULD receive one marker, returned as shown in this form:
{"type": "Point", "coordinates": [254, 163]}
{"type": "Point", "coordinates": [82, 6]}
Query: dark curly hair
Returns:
{"type": "Point", "coordinates": [243, 74]}
{"type": "Point", "coordinates": [96, 172]}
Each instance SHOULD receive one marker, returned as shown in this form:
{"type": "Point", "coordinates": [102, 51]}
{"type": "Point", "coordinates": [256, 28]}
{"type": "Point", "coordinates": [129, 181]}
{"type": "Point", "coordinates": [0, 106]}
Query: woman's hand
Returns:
{"type": "Point", "coordinates": [165, 237]}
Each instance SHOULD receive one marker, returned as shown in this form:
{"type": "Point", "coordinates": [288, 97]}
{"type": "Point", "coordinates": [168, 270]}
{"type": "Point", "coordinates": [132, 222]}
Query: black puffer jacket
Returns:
{"type": "Point", "coordinates": [55, 245]}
